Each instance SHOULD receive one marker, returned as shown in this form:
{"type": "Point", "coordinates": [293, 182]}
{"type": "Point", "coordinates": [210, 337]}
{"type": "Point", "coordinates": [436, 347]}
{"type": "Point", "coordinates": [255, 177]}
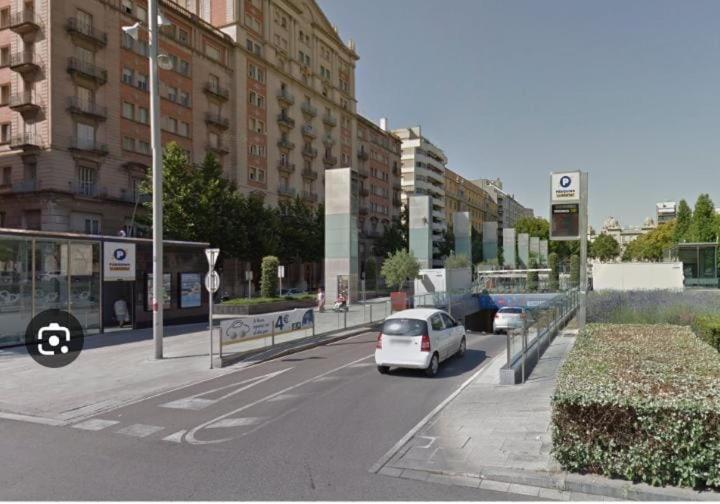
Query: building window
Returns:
{"type": "Point", "coordinates": [143, 115]}
{"type": "Point", "coordinates": [172, 93]}
{"type": "Point", "coordinates": [7, 175]}
{"type": "Point", "coordinates": [4, 56]}
{"type": "Point", "coordinates": [141, 13]}
{"type": "Point", "coordinates": [183, 67]}
{"type": "Point", "coordinates": [143, 147]}
{"type": "Point", "coordinates": [5, 17]}
{"type": "Point", "coordinates": [256, 73]}
{"type": "Point", "coordinates": [141, 82]}
{"type": "Point", "coordinates": [85, 135]}
{"type": "Point", "coordinates": [128, 110]}
{"type": "Point", "coordinates": [213, 139]}
{"type": "Point", "coordinates": [127, 7]}
{"type": "Point", "coordinates": [213, 52]}
{"type": "Point", "coordinates": [4, 94]}
{"type": "Point", "coordinates": [128, 143]}
{"type": "Point", "coordinates": [86, 180]}
{"type": "Point", "coordinates": [183, 129]}
{"type": "Point", "coordinates": [184, 98]}
{"type": "Point", "coordinates": [127, 76]}
{"type": "Point", "coordinates": [183, 36]}
{"type": "Point", "coordinates": [92, 225]}
{"type": "Point", "coordinates": [171, 124]}
{"type": "Point", "coordinates": [5, 133]}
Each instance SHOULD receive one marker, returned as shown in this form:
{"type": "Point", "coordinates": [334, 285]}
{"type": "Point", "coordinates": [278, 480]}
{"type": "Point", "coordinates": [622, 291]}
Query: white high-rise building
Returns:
{"type": "Point", "coordinates": [423, 172]}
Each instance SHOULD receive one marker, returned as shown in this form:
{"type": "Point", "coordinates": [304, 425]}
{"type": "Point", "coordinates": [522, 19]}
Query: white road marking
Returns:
{"type": "Point", "coordinates": [175, 437]}
{"type": "Point", "coordinates": [284, 397]}
{"type": "Point", "coordinates": [140, 430]}
{"type": "Point", "coordinates": [95, 424]}
{"type": "Point", "coordinates": [32, 419]}
{"type": "Point", "coordinates": [326, 378]}
{"type": "Point", "coordinates": [362, 364]}
{"type": "Point", "coordinates": [392, 451]}
{"type": "Point", "coordinates": [190, 437]}
{"type": "Point", "coordinates": [235, 422]}
{"type": "Point", "coordinates": [197, 402]}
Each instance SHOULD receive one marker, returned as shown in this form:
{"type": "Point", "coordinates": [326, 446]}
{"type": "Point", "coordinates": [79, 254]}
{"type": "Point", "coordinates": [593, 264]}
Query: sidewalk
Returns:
{"type": "Point", "coordinates": [498, 437]}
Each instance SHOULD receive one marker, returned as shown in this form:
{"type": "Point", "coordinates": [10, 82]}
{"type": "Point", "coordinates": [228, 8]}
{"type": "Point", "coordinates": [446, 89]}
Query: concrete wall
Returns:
{"type": "Point", "coordinates": [637, 276]}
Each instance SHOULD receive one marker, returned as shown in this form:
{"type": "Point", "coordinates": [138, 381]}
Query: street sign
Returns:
{"type": "Point", "coordinates": [212, 281]}
{"type": "Point", "coordinates": [568, 205]}
{"type": "Point", "coordinates": [248, 275]}
{"type": "Point", "coordinates": [281, 271]}
{"type": "Point", "coordinates": [212, 256]}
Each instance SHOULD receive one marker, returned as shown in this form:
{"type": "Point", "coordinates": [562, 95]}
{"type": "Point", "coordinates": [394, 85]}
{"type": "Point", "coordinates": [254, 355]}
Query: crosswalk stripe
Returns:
{"type": "Point", "coordinates": [95, 424]}
{"type": "Point", "coordinates": [140, 430]}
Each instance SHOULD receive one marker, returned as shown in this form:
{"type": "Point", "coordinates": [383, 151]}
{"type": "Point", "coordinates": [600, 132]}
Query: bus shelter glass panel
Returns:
{"type": "Point", "coordinates": [51, 275]}
{"type": "Point", "coordinates": [707, 265]}
{"type": "Point", "coordinates": [15, 289]}
{"type": "Point", "coordinates": [85, 284]}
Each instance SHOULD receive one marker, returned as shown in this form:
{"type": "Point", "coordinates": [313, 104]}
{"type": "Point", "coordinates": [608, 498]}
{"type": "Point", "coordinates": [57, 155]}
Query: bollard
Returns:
{"type": "Point", "coordinates": [371, 319]}
{"type": "Point", "coordinates": [345, 319]}
{"type": "Point", "coordinates": [508, 349]}
{"type": "Point", "coordinates": [272, 335]}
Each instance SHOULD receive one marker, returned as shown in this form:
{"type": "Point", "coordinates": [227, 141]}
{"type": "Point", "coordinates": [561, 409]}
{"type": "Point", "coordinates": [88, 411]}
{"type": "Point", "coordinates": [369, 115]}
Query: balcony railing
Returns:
{"type": "Point", "coordinates": [285, 167]}
{"type": "Point", "coordinates": [87, 189]}
{"type": "Point", "coordinates": [24, 62]}
{"type": "Point", "coordinates": [286, 121]}
{"type": "Point", "coordinates": [363, 210]}
{"type": "Point", "coordinates": [328, 140]}
{"type": "Point", "coordinates": [310, 196]}
{"type": "Point", "coordinates": [24, 21]}
{"type": "Point", "coordinates": [329, 120]}
{"type": "Point", "coordinates": [310, 152]}
{"type": "Point", "coordinates": [217, 120]}
{"type": "Point", "coordinates": [86, 31]}
{"type": "Point", "coordinates": [364, 192]}
{"type": "Point", "coordinates": [25, 186]}
{"type": "Point", "coordinates": [309, 131]}
{"type": "Point", "coordinates": [309, 174]}
{"type": "Point", "coordinates": [285, 144]}
{"type": "Point", "coordinates": [216, 90]}
{"type": "Point", "coordinates": [88, 70]}
{"type": "Point", "coordinates": [89, 146]}
{"type": "Point", "coordinates": [217, 148]}
{"type": "Point", "coordinates": [363, 172]}
{"type": "Point", "coordinates": [25, 141]}
{"type": "Point", "coordinates": [23, 102]}
{"type": "Point", "coordinates": [286, 191]}
{"type": "Point", "coordinates": [76, 105]}
{"type": "Point", "coordinates": [308, 109]}
{"type": "Point", "coordinates": [285, 97]}
{"type": "Point", "coordinates": [330, 161]}
{"type": "Point", "coordinates": [363, 155]}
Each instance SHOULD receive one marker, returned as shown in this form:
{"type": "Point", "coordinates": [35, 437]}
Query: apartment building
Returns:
{"type": "Point", "coordinates": [378, 168]}
{"type": "Point", "coordinates": [509, 210]}
{"type": "Point", "coordinates": [74, 116]}
{"type": "Point", "coordinates": [423, 172]}
{"type": "Point", "coordinates": [463, 195]}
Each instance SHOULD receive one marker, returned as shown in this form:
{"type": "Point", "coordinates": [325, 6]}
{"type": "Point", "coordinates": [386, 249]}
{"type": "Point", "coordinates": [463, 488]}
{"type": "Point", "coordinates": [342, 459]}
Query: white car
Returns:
{"type": "Point", "coordinates": [510, 318]}
{"type": "Point", "coordinates": [419, 339]}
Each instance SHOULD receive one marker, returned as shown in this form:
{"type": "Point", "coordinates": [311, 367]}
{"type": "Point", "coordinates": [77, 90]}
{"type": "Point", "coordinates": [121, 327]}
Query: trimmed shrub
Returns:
{"type": "Point", "coordinates": [574, 271]}
{"type": "Point", "coordinates": [707, 328]}
{"type": "Point", "coordinates": [268, 276]}
{"type": "Point", "coordinates": [553, 263]}
{"type": "Point", "coordinates": [640, 402]}
{"type": "Point", "coordinates": [532, 276]}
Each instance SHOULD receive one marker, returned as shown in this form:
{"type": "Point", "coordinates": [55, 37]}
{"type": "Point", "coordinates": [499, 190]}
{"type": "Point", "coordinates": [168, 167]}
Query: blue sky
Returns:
{"type": "Point", "coordinates": [628, 90]}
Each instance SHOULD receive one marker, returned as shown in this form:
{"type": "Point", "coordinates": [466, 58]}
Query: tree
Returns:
{"type": "Point", "coordinates": [457, 261]}
{"type": "Point", "coordinates": [702, 226]}
{"type": "Point", "coordinates": [532, 276]}
{"type": "Point", "coordinates": [553, 264]}
{"type": "Point", "coordinates": [652, 245]}
{"type": "Point", "coordinates": [575, 271]}
{"type": "Point", "coordinates": [604, 247]}
{"type": "Point", "coordinates": [446, 245]}
{"type": "Point", "coordinates": [476, 245]}
{"type": "Point", "coordinates": [298, 228]}
{"type": "Point", "coordinates": [534, 226]}
{"type": "Point", "coordinates": [268, 276]}
{"type": "Point", "coordinates": [399, 268]}
{"type": "Point", "coordinates": [371, 273]}
{"type": "Point", "coordinates": [393, 239]}
{"type": "Point", "coordinates": [682, 222]}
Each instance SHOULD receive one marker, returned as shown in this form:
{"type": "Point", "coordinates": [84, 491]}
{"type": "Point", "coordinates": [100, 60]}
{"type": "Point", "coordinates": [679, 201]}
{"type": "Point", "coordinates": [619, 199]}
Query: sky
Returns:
{"type": "Point", "coordinates": [628, 91]}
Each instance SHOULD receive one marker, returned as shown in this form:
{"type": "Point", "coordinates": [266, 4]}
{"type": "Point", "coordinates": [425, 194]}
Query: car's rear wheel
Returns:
{"type": "Point", "coordinates": [433, 367]}
{"type": "Point", "coordinates": [384, 369]}
{"type": "Point", "coordinates": [463, 347]}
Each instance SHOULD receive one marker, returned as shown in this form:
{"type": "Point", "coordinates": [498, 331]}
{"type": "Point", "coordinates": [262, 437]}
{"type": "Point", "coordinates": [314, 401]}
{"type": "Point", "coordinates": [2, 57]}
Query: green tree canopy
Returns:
{"type": "Point", "coordinates": [703, 226]}
{"type": "Point", "coordinates": [651, 245]}
{"type": "Point", "coordinates": [457, 261]}
{"type": "Point", "coordinates": [399, 268]}
{"type": "Point", "coordinates": [393, 239]}
{"type": "Point", "coordinates": [534, 226]}
{"type": "Point", "coordinates": [604, 247]}
{"type": "Point", "coordinates": [683, 220]}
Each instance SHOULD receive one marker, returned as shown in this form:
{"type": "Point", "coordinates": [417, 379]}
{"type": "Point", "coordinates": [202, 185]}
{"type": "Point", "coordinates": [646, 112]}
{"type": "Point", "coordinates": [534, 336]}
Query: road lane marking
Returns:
{"type": "Point", "coordinates": [197, 402]}
{"type": "Point", "coordinates": [140, 430]}
{"type": "Point", "coordinates": [175, 437]}
{"type": "Point", "coordinates": [235, 422]}
{"type": "Point", "coordinates": [403, 441]}
{"type": "Point", "coordinates": [95, 424]}
{"type": "Point", "coordinates": [285, 397]}
{"type": "Point", "coordinates": [190, 436]}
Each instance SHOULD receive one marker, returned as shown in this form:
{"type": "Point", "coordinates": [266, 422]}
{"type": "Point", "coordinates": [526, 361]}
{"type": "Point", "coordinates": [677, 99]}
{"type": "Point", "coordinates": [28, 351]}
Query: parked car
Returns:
{"type": "Point", "coordinates": [509, 318]}
{"type": "Point", "coordinates": [419, 338]}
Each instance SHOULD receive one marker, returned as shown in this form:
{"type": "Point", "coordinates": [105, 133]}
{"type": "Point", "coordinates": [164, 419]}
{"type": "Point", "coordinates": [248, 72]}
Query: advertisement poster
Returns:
{"type": "Point", "coordinates": [167, 288]}
{"type": "Point", "coordinates": [266, 324]}
{"type": "Point", "coordinates": [190, 290]}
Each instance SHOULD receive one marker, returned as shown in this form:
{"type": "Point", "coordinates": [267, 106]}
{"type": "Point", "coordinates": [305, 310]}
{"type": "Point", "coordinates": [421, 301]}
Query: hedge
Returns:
{"type": "Point", "coordinates": [707, 327]}
{"type": "Point", "coordinates": [640, 402]}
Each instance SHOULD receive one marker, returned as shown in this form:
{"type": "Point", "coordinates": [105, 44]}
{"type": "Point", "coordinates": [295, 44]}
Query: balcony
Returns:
{"type": "Point", "coordinates": [286, 168]}
{"type": "Point", "coordinates": [328, 140]}
{"type": "Point", "coordinates": [24, 62]}
{"type": "Point", "coordinates": [87, 189]}
{"type": "Point", "coordinates": [329, 120]}
{"type": "Point", "coordinates": [285, 121]}
{"type": "Point", "coordinates": [218, 148]}
{"type": "Point", "coordinates": [363, 172]}
{"type": "Point", "coordinates": [309, 132]}
{"type": "Point", "coordinates": [330, 161]}
{"type": "Point", "coordinates": [396, 202]}
{"type": "Point", "coordinates": [24, 22]}
{"type": "Point", "coordinates": [24, 102]}
{"type": "Point", "coordinates": [309, 174]}
{"type": "Point", "coordinates": [310, 196]}
{"type": "Point", "coordinates": [364, 192]}
{"type": "Point", "coordinates": [363, 155]}
{"type": "Point", "coordinates": [285, 97]}
{"type": "Point", "coordinates": [285, 144]}
{"type": "Point", "coordinates": [79, 68]}
{"type": "Point", "coordinates": [213, 119]}
{"type": "Point", "coordinates": [288, 192]}
{"type": "Point", "coordinates": [85, 108]}
{"type": "Point", "coordinates": [85, 31]}
{"type": "Point", "coordinates": [216, 90]}
{"type": "Point", "coordinates": [25, 186]}
{"type": "Point", "coordinates": [88, 146]}
{"type": "Point", "coordinates": [363, 210]}
{"type": "Point", "coordinates": [25, 141]}
{"type": "Point", "coordinates": [310, 152]}
{"type": "Point", "coordinates": [397, 186]}
{"type": "Point", "coordinates": [308, 109]}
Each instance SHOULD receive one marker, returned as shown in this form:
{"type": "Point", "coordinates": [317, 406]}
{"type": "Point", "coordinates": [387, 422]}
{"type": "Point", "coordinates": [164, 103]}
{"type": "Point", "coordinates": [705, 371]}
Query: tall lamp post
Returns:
{"type": "Point", "coordinates": [162, 60]}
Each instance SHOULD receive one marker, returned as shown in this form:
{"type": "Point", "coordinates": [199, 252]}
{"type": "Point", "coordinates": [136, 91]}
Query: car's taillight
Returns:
{"type": "Point", "coordinates": [425, 343]}
{"type": "Point", "coordinates": [378, 343]}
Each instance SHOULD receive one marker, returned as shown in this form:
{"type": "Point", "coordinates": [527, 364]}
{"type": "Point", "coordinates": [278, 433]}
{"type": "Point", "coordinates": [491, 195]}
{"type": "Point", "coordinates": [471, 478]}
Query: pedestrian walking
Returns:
{"type": "Point", "coordinates": [321, 300]}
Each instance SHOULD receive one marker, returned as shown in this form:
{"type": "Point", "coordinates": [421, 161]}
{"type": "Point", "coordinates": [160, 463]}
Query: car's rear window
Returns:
{"type": "Point", "coordinates": [510, 310]}
{"type": "Point", "coordinates": [404, 327]}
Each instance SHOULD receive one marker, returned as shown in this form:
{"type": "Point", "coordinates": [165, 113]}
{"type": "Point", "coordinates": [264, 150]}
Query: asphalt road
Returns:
{"type": "Point", "coordinates": [307, 426]}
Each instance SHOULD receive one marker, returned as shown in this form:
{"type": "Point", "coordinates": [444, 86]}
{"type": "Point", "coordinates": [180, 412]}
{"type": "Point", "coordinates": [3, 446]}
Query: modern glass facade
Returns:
{"type": "Point", "coordinates": [700, 263]}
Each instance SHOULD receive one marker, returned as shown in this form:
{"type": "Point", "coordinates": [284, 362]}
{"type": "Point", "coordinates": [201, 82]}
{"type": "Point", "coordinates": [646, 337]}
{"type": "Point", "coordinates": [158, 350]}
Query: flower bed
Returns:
{"type": "Point", "coordinates": [640, 402]}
